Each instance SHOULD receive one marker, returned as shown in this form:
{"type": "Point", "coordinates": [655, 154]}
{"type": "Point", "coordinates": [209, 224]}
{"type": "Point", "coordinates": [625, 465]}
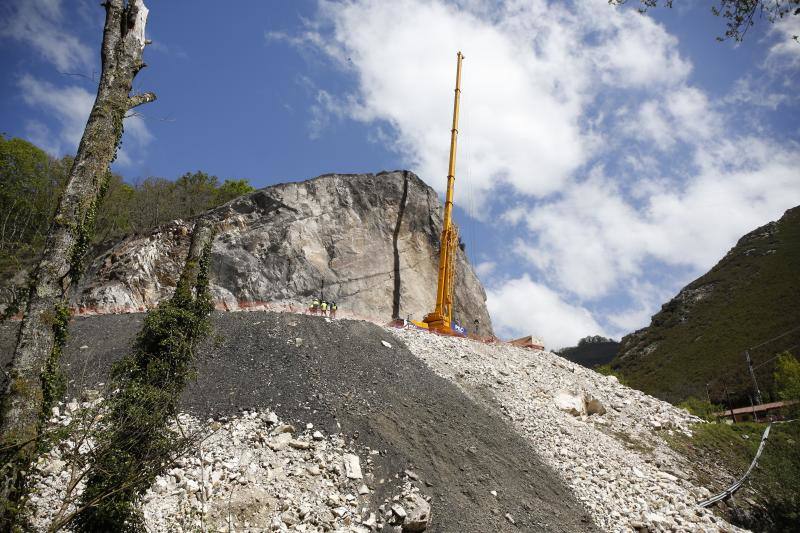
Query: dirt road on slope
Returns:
{"type": "Point", "coordinates": [339, 376]}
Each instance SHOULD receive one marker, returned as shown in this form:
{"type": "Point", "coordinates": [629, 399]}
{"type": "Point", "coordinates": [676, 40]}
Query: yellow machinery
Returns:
{"type": "Point", "coordinates": [440, 320]}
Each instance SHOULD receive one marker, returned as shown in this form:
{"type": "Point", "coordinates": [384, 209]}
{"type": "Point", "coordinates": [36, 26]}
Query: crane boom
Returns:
{"type": "Point", "coordinates": [441, 318]}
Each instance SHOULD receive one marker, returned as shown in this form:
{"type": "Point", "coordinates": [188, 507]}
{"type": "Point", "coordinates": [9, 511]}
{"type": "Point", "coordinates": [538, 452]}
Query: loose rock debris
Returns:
{"type": "Point", "coordinates": [248, 473]}
{"type": "Point", "coordinates": [604, 439]}
{"type": "Point", "coordinates": [385, 400]}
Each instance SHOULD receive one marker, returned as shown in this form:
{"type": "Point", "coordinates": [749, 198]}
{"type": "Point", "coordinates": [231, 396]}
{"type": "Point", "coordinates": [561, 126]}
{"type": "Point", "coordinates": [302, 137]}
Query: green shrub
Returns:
{"type": "Point", "coordinates": [606, 370]}
{"type": "Point", "coordinates": [787, 377]}
{"type": "Point", "coordinates": [702, 408]}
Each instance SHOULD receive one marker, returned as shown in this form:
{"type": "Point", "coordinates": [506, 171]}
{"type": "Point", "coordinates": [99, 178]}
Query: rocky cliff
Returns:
{"type": "Point", "coordinates": [694, 346]}
{"type": "Point", "coordinates": [367, 241]}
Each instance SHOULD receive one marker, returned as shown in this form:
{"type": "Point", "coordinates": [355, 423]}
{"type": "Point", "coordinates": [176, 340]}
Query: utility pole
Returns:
{"type": "Point", "coordinates": [730, 405]}
{"type": "Point", "coordinates": [753, 375]}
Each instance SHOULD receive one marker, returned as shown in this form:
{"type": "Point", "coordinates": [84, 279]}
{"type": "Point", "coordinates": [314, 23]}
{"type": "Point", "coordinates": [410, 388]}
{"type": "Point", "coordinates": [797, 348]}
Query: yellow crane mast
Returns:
{"type": "Point", "coordinates": [441, 318]}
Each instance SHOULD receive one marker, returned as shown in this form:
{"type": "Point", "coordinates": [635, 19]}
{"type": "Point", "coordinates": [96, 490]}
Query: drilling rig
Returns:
{"type": "Point", "coordinates": [440, 320]}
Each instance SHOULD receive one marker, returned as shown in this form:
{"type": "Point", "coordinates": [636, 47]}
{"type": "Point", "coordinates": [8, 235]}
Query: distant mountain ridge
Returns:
{"type": "Point", "coordinates": [591, 351]}
{"type": "Point", "coordinates": [695, 345]}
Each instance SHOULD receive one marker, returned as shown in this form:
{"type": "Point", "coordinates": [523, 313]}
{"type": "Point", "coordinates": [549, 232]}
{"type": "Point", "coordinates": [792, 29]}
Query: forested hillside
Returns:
{"type": "Point", "coordinates": [695, 345]}
{"type": "Point", "coordinates": [591, 351]}
{"type": "Point", "coordinates": [32, 182]}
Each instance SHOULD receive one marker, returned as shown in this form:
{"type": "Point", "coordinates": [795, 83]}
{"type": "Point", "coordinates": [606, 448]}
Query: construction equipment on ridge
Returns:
{"type": "Point", "coordinates": [441, 319]}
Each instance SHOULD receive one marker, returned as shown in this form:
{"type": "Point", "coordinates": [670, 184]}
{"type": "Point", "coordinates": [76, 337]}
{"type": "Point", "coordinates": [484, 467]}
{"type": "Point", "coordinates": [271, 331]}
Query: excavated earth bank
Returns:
{"type": "Point", "coordinates": [339, 376]}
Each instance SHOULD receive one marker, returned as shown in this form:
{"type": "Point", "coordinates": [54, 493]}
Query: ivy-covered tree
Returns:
{"type": "Point", "coordinates": [33, 380]}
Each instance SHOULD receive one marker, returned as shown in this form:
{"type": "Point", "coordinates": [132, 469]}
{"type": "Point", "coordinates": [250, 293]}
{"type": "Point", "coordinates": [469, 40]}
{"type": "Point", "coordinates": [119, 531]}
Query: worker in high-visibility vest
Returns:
{"type": "Point", "coordinates": [333, 309]}
{"type": "Point", "coordinates": [315, 306]}
{"type": "Point", "coordinates": [324, 306]}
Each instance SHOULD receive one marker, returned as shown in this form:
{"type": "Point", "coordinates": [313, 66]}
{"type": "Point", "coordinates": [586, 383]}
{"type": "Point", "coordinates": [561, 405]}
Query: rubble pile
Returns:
{"type": "Point", "coordinates": [604, 439]}
{"type": "Point", "coordinates": [246, 473]}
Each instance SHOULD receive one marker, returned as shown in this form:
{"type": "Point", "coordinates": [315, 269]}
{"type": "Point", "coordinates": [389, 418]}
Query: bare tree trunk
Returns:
{"type": "Point", "coordinates": [43, 326]}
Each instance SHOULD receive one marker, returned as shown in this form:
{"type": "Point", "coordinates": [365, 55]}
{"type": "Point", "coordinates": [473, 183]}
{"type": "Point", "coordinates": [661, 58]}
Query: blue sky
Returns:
{"type": "Point", "coordinates": [606, 158]}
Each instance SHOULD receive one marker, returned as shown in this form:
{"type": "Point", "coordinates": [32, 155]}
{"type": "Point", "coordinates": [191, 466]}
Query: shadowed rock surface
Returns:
{"type": "Point", "coordinates": [340, 377]}
{"type": "Point", "coordinates": [370, 242]}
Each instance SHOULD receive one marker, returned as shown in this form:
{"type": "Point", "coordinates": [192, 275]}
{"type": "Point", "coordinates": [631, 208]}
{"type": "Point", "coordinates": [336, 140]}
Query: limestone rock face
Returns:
{"type": "Point", "coordinates": [369, 242]}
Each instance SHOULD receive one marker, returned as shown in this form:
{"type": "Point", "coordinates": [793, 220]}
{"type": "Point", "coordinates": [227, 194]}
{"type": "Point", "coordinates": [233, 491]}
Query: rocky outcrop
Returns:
{"type": "Point", "coordinates": [369, 242]}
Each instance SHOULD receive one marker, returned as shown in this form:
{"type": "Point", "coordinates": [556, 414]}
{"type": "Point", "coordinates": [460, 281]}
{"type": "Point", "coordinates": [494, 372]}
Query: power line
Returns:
{"type": "Point", "coordinates": [775, 338]}
{"type": "Point", "coordinates": [752, 368]}
{"type": "Point", "coordinates": [774, 357]}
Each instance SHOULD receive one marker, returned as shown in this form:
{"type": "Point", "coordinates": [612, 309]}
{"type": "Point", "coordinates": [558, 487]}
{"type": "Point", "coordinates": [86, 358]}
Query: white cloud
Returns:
{"type": "Point", "coordinates": [612, 167]}
{"type": "Point", "coordinates": [136, 127]}
{"type": "Point", "coordinates": [485, 268]}
{"type": "Point", "coordinates": [634, 51]}
{"type": "Point", "coordinates": [746, 93]}
{"type": "Point", "coordinates": [645, 299]}
{"type": "Point", "coordinates": [692, 115]}
{"type": "Point", "coordinates": [523, 307]}
{"type": "Point", "coordinates": [135, 130]}
{"type": "Point", "coordinates": [683, 114]}
{"type": "Point", "coordinates": [591, 239]}
{"type": "Point", "coordinates": [530, 73]}
{"type": "Point", "coordinates": [321, 112]}
{"type": "Point", "coordinates": [39, 23]}
{"type": "Point", "coordinates": [785, 52]}
{"type": "Point", "coordinates": [70, 106]}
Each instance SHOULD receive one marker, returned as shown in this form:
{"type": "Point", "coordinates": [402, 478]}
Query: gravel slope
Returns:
{"type": "Point", "coordinates": [606, 440]}
{"type": "Point", "coordinates": [340, 377]}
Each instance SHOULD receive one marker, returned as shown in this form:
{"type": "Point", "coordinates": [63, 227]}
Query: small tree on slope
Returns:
{"type": "Point", "coordinates": [787, 377]}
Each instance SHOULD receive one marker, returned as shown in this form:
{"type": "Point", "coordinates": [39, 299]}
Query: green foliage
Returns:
{"type": "Point", "coordinates": [748, 298]}
{"type": "Point", "coordinates": [787, 377]}
{"type": "Point", "coordinates": [702, 408]}
{"type": "Point", "coordinates": [740, 15]}
{"type": "Point", "coordinates": [776, 481]}
{"type": "Point", "coordinates": [607, 370]}
{"type": "Point", "coordinates": [137, 445]}
{"type": "Point", "coordinates": [195, 192]}
{"type": "Point", "coordinates": [116, 218]}
{"type": "Point", "coordinates": [53, 381]}
{"type": "Point", "coordinates": [30, 186]}
{"type": "Point", "coordinates": [232, 189]}
{"type": "Point", "coordinates": [31, 183]}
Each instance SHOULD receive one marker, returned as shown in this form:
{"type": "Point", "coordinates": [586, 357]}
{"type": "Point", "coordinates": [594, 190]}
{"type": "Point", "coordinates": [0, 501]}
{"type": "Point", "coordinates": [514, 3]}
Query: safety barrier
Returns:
{"type": "Point", "coordinates": [733, 488]}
